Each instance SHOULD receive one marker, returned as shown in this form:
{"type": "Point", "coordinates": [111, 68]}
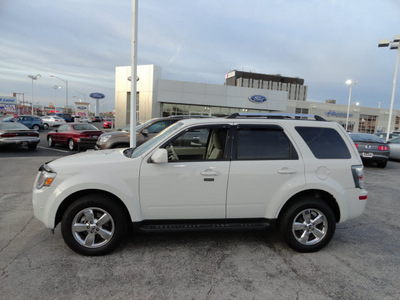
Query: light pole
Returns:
{"type": "Point", "coordinates": [351, 84]}
{"type": "Point", "coordinates": [66, 90]}
{"type": "Point", "coordinates": [33, 77]}
{"type": "Point", "coordinates": [56, 87]}
{"type": "Point", "coordinates": [393, 45]}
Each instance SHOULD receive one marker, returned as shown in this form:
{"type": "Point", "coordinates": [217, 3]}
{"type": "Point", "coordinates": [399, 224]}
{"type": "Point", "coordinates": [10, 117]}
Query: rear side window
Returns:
{"type": "Point", "coordinates": [263, 144]}
{"type": "Point", "coordinates": [325, 143]}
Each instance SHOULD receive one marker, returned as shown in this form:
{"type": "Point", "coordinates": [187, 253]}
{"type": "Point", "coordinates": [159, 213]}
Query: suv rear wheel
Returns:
{"type": "Point", "coordinates": [308, 224]}
{"type": "Point", "coordinates": [94, 225]}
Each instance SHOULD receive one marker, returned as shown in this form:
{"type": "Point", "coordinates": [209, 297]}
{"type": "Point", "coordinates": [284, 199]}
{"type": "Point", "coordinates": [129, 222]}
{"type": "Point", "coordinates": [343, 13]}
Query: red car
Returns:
{"type": "Point", "coordinates": [109, 123]}
{"type": "Point", "coordinates": [74, 135]}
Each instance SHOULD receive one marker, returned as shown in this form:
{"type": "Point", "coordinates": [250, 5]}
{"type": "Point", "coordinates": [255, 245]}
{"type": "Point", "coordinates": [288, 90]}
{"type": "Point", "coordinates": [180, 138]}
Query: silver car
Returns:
{"type": "Point", "coordinates": [394, 148]}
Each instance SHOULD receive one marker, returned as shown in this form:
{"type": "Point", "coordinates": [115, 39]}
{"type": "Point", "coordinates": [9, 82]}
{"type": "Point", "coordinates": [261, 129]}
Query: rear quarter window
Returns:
{"type": "Point", "coordinates": [324, 143]}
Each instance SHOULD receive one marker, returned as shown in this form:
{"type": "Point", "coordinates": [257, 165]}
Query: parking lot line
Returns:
{"type": "Point", "coordinates": [63, 151]}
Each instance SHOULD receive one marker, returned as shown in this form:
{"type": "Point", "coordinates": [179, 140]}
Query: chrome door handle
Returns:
{"type": "Point", "coordinates": [287, 171]}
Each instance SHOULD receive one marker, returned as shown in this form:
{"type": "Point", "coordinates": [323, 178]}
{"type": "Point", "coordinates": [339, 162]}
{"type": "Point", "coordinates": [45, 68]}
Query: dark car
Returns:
{"type": "Point", "coordinates": [97, 119]}
{"type": "Point", "coordinates": [383, 135]}
{"type": "Point", "coordinates": [16, 134]}
{"type": "Point", "coordinates": [371, 148]}
{"type": "Point", "coordinates": [144, 132]}
{"type": "Point", "coordinates": [74, 135]}
{"type": "Point", "coordinates": [66, 117]}
{"type": "Point", "coordinates": [31, 122]}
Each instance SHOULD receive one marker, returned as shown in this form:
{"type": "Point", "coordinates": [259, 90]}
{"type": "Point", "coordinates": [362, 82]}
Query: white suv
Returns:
{"type": "Point", "coordinates": [243, 172]}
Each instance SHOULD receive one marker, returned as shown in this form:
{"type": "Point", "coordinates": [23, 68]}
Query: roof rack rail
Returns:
{"type": "Point", "coordinates": [276, 116]}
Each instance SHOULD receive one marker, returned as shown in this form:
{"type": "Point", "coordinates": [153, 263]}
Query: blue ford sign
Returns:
{"type": "Point", "coordinates": [258, 98]}
{"type": "Point", "coordinates": [96, 95]}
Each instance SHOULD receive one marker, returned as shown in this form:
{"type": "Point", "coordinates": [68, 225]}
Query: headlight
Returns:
{"type": "Point", "coordinates": [104, 138]}
{"type": "Point", "coordinates": [46, 176]}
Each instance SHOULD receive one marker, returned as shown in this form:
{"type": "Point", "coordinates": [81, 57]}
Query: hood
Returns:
{"type": "Point", "coordinates": [89, 158]}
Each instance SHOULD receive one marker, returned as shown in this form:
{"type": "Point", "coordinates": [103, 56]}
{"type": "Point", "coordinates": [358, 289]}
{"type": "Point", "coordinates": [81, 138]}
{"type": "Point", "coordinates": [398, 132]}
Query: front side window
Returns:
{"type": "Point", "coordinates": [324, 143]}
{"type": "Point", "coordinates": [196, 144]}
{"type": "Point", "coordinates": [264, 143]}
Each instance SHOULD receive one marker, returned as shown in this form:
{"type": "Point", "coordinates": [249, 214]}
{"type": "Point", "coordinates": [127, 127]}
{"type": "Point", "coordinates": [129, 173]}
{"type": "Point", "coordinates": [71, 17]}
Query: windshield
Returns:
{"type": "Point", "coordinates": [136, 152]}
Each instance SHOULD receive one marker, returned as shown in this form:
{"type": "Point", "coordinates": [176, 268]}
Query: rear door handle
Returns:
{"type": "Point", "coordinates": [287, 171]}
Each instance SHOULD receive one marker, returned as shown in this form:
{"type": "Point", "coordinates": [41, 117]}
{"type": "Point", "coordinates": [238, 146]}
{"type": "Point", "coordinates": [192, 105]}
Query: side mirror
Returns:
{"type": "Point", "coordinates": [145, 132]}
{"type": "Point", "coordinates": [160, 156]}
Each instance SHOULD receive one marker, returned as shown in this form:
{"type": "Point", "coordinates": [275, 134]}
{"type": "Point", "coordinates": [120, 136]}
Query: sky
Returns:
{"type": "Point", "coordinates": [325, 42]}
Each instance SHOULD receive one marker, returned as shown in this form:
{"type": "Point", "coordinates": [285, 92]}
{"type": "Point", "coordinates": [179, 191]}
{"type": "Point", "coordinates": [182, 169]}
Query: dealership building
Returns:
{"type": "Point", "coordinates": [242, 92]}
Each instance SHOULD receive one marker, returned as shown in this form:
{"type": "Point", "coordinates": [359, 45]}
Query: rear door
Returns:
{"type": "Point", "coordinates": [265, 166]}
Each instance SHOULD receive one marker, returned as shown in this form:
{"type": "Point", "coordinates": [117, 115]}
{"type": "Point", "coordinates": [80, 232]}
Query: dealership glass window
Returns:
{"type": "Point", "coordinates": [303, 111]}
{"type": "Point", "coordinates": [367, 124]}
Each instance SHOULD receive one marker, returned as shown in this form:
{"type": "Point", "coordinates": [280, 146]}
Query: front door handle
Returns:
{"type": "Point", "coordinates": [287, 171]}
{"type": "Point", "coordinates": [210, 172]}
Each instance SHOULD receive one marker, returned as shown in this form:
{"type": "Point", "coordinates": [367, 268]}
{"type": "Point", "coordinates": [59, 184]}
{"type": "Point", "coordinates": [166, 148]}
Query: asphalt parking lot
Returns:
{"type": "Point", "coordinates": [361, 262]}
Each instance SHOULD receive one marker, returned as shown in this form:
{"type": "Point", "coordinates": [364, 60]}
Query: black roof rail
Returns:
{"type": "Point", "coordinates": [276, 116]}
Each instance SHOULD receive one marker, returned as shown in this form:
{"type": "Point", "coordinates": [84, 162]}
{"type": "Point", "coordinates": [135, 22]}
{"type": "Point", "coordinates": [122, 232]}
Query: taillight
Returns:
{"type": "Point", "coordinates": [356, 145]}
{"type": "Point", "coordinates": [7, 135]}
{"type": "Point", "coordinates": [383, 148]}
{"type": "Point", "coordinates": [33, 134]}
{"type": "Point", "coordinates": [358, 175]}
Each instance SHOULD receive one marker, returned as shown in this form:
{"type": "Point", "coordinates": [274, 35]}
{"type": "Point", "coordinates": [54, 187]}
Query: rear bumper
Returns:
{"type": "Point", "coordinates": [19, 141]}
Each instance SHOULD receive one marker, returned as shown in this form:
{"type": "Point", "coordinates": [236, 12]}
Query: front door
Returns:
{"type": "Point", "coordinates": [192, 185]}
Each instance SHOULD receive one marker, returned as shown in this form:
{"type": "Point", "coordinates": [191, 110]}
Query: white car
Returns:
{"type": "Point", "coordinates": [203, 174]}
{"type": "Point", "coordinates": [52, 121]}
{"type": "Point", "coordinates": [85, 120]}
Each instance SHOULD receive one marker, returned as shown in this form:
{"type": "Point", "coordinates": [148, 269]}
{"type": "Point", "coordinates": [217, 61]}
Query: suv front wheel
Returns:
{"type": "Point", "coordinates": [308, 224]}
{"type": "Point", "coordinates": [94, 225]}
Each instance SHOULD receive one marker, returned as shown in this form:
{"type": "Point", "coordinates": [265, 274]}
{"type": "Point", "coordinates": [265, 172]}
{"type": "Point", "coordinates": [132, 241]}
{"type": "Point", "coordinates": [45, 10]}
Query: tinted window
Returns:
{"type": "Point", "coordinates": [158, 126]}
{"type": "Point", "coordinates": [325, 143]}
{"type": "Point", "coordinates": [264, 143]}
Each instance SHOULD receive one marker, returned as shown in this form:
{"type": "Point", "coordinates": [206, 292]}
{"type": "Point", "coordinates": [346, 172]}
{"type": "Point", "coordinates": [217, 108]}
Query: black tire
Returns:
{"type": "Point", "coordinates": [381, 164]}
{"type": "Point", "coordinates": [311, 235]}
{"type": "Point", "coordinates": [71, 144]}
{"type": "Point", "coordinates": [32, 146]}
{"type": "Point", "coordinates": [88, 236]}
{"type": "Point", "coordinates": [45, 126]}
{"type": "Point", "coordinates": [36, 127]}
{"type": "Point", "coordinates": [50, 142]}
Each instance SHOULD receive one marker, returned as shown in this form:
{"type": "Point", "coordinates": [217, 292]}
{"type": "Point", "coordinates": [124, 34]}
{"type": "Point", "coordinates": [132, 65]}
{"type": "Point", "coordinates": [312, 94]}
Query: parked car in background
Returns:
{"type": "Point", "coordinates": [97, 119]}
{"type": "Point", "coordinates": [52, 121]}
{"type": "Point", "coordinates": [394, 145]}
{"type": "Point", "coordinates": [29, 121]}
{"type": "Point", "coordinates": [17, 134]}
{"type": "Point", "coordinates": [66, 117]}
{"type": "Point", "coordinates": [74, 135]}
{"type": "Point", "coordinates": [85, 120]}
{"type": "Point", "coordinates": [144, 132]}
{"type": "Point", "coordinates": [383, 135]}
{"type": "Point", "coordinates": [371, 148]}
{"type": "Point", "coordinates": [108, 123]}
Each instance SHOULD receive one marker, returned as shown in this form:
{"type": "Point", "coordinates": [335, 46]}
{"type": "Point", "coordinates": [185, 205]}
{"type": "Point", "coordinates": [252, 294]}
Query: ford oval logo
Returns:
{"type": "Point", "coordinates": [81, 107]}
{"type": "Point", "coordinates": [258, 98]}
{"type": "Point", "coordinates": [97, 95]}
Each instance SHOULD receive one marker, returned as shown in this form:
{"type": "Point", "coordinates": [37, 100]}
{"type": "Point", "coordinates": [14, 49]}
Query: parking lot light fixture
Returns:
{"type": "Point", "coordinates": [394, 45]}
{"type": "Point", "coordinates": [66, 90]}
{"type": "Point", "coordinates": [33, 77]}
{"type": "Point", "coordinates": [350, 83]}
